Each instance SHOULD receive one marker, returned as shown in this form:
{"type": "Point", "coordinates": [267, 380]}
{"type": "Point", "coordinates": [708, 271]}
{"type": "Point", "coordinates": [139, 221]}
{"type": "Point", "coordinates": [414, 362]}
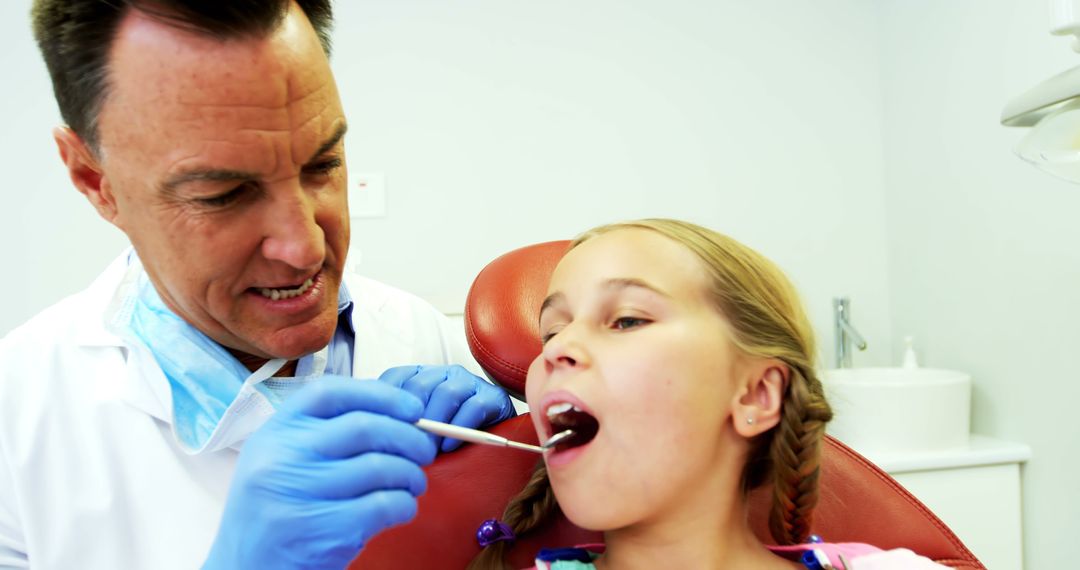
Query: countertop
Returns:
{"type": "Point", "coordinates": [981, 450]}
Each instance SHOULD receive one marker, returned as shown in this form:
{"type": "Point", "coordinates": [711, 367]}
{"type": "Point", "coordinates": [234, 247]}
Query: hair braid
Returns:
{"type": "Point", "coordinates": [795, 454]}
{"type": "Point", "coordinates": [529, 509]}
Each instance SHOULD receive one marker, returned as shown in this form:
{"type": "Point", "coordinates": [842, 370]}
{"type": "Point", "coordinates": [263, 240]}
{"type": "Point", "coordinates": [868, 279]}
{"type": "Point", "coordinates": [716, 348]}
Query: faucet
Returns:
{"type": "Point", "coordinates": [844, 334]}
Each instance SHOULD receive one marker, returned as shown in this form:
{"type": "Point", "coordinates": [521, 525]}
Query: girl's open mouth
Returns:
{"type": "Point", "coordinates": [566, 416]}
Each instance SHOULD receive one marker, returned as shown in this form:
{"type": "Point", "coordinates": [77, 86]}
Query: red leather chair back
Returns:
{"type": "Point", "coordinates": [859, 502]}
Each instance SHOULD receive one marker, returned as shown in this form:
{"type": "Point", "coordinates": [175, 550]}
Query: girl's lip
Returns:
{"type": "Point", "coordinates": [558, 397]}
{"type": "Point", "coordinates": [556, 459]}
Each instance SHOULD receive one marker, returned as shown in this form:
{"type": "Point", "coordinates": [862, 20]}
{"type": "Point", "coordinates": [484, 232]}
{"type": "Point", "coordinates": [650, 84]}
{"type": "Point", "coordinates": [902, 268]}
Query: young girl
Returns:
{"type": "Point", "coordinates": [683, 362]}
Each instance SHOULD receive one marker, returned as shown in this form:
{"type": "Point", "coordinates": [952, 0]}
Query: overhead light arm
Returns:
{"type": "Point", "coordinates": [1048, 96]}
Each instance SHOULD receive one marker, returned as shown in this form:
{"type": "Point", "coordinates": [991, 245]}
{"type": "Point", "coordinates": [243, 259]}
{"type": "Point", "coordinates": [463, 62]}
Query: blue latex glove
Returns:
{"type": "Point", "coordinates": [339, 462]}
{"type": "Point", "coordinates": [452, 394]}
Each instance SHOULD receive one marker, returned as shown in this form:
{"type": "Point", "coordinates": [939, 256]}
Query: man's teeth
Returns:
{"type": "Point", "coordinates": [563, 407]}
{"type": "Point", "coordinates": [276, 294]}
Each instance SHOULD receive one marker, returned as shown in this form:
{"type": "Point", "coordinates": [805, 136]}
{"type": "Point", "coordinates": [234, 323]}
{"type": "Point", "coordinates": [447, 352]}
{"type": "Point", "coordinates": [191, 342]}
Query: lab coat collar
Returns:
{"type": "Point", "coordinates": [98, 297]}
{"type": "Point", "coordinates": [146, 388]}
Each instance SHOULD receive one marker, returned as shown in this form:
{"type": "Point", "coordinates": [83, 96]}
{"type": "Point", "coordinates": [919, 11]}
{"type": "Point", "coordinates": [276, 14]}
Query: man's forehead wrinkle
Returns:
{"type": "Point", "coordinates": [311, 115]}
{"type": "Point", "coordinates": [230, 107]}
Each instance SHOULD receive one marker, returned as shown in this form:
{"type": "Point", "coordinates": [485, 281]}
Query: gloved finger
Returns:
{"type": "Point", "coordinates": [488, 405]}
{"type": "Point", "coordinates": [367, 473]}
{"type": "Point", "coordinates": [397, 375]}
{"type": "Point", "coordinates": [336, 395]}
{"type": "Point", "coordinates": [476, 412]}
{"type": "Point", "coordinates": [445, 401]}
{"type": "Point", "coordinates": [378, 511]}
{"type": "Point", "coordinates": [447, 397]}
{"type": "Point", "coordinates": [355, 433]}
{"type": "Point", "coordinates": [424, 383]}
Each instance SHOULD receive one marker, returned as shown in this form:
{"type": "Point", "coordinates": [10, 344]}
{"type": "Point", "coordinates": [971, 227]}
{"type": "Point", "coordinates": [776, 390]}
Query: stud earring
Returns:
{"type": "Point", "coordinates": [749, 420]}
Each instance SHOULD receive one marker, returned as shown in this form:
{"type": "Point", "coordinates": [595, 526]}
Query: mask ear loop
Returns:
{"type": "Point", "coordinates": [267, 370]}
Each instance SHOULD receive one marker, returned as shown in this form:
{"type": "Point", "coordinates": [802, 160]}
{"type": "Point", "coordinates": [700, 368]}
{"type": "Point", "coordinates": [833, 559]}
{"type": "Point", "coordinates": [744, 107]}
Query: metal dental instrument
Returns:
{"type": "Point", "coordinates": [477, 436]}
{"type": "Point", "coordinates": [555, 439]}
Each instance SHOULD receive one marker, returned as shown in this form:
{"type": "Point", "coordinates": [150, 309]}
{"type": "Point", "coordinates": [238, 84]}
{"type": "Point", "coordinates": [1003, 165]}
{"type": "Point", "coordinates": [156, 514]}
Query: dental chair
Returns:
{"type": "Point", "coordinates": [858, 501]}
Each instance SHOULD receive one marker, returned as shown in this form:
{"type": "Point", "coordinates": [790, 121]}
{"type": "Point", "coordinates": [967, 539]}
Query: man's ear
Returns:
{"type": "Point", "coordinates": [85, 172]}
{"type": "Point", "coordinates": [758, 403]}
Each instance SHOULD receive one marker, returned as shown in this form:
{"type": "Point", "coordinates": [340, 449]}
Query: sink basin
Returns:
{"type": "Point", "coordinates": [893, 410]}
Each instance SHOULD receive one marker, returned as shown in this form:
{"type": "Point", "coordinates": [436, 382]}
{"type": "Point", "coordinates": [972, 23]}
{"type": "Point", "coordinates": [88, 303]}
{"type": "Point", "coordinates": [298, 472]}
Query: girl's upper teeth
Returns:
{"type": "Point", "coordinates": [275, 294]}
{"type": "Point", "coordinates": [556, 409]}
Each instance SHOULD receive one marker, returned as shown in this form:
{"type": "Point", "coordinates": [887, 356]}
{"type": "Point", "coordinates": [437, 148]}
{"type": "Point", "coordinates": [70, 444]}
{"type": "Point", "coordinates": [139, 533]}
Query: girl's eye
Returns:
{"type": "Point", "coordinates": [544, 338]}
{"type": "Point", "coordinates": [624, 323]}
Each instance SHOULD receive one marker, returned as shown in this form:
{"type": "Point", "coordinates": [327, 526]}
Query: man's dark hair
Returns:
{"type": "Point", "coordinates": [75, 37]}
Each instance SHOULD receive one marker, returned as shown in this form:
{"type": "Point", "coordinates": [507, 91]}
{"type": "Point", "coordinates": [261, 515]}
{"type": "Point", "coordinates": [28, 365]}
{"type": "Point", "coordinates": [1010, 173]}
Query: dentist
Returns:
{"type": "Point", "coordinates": [196, 406]}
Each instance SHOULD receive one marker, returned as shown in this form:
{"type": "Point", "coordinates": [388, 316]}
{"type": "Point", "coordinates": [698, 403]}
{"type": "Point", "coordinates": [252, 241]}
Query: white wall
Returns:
{"type": "Point", "coordinates": [984, 249]}
{"type": "Point", "coordinates": [505, 122]}
{"type": "Point", "coordinates": [53, 241]}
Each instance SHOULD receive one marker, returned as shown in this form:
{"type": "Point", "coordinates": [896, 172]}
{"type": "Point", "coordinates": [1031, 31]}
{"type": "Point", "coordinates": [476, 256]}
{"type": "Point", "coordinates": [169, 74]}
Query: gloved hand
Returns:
{"type": "Point", "coordinates": [339, 462]}
{"type": "Point", "coordinates": [452, 394]}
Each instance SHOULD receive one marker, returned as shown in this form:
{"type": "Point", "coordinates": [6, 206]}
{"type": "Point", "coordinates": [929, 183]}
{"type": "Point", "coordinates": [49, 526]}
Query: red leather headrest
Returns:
{"type": "Point", "coordinates": [502, 312]}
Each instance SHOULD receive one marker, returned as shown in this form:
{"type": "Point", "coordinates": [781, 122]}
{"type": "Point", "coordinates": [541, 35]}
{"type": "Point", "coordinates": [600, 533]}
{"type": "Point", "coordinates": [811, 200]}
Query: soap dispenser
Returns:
{"type": "Point", "coordinates": [910, 360]}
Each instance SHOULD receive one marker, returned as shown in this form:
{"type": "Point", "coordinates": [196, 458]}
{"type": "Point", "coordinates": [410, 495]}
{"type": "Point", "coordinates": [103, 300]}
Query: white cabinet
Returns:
{"type": "Point", "coordinates": [974, 490]}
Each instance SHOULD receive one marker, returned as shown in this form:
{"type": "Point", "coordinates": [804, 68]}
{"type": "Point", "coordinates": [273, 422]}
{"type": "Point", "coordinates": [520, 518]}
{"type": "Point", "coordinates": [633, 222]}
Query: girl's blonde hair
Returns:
{"type": "Point", "coordinates": [767, 320]}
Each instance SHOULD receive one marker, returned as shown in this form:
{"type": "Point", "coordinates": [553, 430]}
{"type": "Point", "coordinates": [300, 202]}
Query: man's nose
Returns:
{"type": "Point", "coordinates": [291, 233]}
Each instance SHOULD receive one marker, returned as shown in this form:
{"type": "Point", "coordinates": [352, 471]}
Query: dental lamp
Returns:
{"type": "Point", "coordinates": [1052, 108]}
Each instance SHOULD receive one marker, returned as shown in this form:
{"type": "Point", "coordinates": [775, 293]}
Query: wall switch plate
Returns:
{"type": "Point", "coordinates": [367, 195]}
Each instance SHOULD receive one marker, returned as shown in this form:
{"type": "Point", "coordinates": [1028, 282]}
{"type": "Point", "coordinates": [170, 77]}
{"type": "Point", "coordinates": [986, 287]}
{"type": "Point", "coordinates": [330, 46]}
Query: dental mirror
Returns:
{"type": "Point", "coordinates": [555, 439]}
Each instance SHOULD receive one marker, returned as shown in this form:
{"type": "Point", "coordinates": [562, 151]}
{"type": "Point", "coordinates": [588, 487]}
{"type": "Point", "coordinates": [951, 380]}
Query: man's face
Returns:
{"type": "Point", "coordinates": [226, 164]}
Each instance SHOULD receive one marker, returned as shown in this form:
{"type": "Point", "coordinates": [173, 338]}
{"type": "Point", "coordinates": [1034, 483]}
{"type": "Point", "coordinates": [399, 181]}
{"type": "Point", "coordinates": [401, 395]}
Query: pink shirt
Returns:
{"type": "Point", "coordinates": [858, 556]}
{"type": "Point", "coordinates": [843, 556]}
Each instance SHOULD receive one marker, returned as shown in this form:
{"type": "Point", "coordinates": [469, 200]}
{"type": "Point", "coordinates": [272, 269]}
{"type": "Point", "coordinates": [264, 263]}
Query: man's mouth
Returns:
{"type": "Point", "coordinates": [285, 293]}
{"type": "Point", "coordinates": [566, 416]}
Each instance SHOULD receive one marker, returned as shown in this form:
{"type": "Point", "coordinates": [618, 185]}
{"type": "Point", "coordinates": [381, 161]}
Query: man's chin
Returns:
{"type": "Point", "coordinates": [298, 348]}
{"type": "Point", "coordinates": [294, 342]}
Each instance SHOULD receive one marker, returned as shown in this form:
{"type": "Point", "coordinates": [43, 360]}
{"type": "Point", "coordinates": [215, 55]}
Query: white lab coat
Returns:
{"type": "Point", "coordinates": [90, 475]}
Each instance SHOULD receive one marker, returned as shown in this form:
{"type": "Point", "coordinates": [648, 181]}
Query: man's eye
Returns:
{"type": "Point", "coordinates": [222, 200]}
{"type": "Point", "coordinates": [623, 323]}
{"type": "Point", "coordinates": [324, 167]}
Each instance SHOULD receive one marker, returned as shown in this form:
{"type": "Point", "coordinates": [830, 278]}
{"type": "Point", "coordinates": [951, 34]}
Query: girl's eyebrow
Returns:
{"type": "Point", "coordinates": [614, 284]}
{"type": "Point", "coordinates": [551, 299]}
{"type": "Point", "coordinates": [629, 282]}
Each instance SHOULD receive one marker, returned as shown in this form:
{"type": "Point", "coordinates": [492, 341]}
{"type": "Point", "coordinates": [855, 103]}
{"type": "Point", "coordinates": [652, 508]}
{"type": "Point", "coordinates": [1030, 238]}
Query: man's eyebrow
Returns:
{"type": "Point", "coordinates": [225, 175]}
{"type": "Point", "coordinates": [205, 175]}
{"type": "Point", "coordinates": [331, 142]}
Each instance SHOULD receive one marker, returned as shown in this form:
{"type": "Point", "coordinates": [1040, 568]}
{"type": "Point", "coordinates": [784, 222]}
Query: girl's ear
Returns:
{"type": "Point", "coordinates": [757, 405]}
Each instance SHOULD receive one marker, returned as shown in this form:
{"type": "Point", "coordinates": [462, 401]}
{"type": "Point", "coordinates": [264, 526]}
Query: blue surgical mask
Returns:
{"type": "Point", "coordinates": [216, 400]}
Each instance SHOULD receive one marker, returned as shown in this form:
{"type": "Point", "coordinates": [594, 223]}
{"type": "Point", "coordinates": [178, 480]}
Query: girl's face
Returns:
{"type": "Point", "coordinates": [637, 354]}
